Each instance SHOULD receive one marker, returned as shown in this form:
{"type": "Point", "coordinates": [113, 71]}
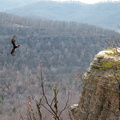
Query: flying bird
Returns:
{"type": "Point", "coordinates": [13, 41]}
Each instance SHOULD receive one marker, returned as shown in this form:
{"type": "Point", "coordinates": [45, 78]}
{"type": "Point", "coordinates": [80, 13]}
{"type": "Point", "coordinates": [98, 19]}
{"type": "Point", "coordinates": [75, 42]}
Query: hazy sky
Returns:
{"type": "Point", "coordinates": [88, 1]}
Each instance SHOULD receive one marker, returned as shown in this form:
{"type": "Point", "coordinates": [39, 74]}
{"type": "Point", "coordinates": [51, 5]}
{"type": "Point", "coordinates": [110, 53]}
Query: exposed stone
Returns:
{"type": "Point", "coordinates": [99, 99]}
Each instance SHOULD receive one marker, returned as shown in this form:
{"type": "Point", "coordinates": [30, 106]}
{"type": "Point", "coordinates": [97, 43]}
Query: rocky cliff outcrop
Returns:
{"type": "Point", "coordinates": [100, 97]}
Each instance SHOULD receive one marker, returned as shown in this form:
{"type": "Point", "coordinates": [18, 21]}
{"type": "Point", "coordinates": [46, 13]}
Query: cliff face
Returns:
{"type": "Point", "coordinates": [99, 99]}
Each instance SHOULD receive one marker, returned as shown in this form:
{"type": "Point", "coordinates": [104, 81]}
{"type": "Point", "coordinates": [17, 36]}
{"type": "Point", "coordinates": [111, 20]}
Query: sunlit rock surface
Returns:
{"type": "Point", "coordinates": [99, 99]}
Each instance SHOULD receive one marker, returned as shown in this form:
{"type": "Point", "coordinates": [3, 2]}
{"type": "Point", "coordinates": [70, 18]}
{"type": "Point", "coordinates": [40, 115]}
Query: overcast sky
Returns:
{"type": "Point", "coordinates": [88, 1]}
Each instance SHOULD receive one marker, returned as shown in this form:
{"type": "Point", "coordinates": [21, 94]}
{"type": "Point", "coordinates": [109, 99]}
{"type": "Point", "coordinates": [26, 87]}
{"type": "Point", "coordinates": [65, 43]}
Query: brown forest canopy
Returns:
{"type": "Point", "coordinates": [58, 44]}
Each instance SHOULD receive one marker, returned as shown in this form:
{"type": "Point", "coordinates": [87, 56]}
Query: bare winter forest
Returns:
{"type": "Point", "coordinates": [47, 69]}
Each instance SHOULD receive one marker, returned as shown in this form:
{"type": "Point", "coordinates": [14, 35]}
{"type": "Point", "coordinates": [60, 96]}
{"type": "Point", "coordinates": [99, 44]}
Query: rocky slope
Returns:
{"type": "Point", "coordinates": [99, 99]}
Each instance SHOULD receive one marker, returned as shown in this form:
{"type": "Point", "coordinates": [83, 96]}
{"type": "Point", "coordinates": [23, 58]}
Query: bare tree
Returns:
{"type": "Point", "coordinates": [44, 103]}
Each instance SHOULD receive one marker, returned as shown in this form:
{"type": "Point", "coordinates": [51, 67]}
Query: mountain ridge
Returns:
{"type": "Point", "coordinates": [54, 34]}
{"type": "Point", "coordinates": [101, 14]}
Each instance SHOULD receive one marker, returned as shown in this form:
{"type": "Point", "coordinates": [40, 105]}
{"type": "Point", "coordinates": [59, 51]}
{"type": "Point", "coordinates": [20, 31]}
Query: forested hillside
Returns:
{"type": "Point", "coordinates": [51, 43]}
{"type": "Point", "coordinates": [62, 48]}
{"type": "Point", "coordinates": [104, 14]}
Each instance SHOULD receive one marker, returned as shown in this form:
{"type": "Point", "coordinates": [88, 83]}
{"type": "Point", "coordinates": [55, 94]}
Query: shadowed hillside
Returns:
{"type": "Point", "coordinates": [52, 43]}
{"type": "Point", "coordinates": [101, 14]}
{"type": "Point", "coordinates": [11, 4]}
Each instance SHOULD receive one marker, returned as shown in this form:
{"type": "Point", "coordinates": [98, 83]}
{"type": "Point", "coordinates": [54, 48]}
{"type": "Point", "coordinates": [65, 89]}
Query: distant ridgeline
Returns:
{"type": "Point", "coordinates": [65, 46]}
{"type": "Point", "coordinates": [104, 14]}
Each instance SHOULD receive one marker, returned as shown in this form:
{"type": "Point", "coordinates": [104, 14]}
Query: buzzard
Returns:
{"type": "Point", "coordinates": [13, 41]}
